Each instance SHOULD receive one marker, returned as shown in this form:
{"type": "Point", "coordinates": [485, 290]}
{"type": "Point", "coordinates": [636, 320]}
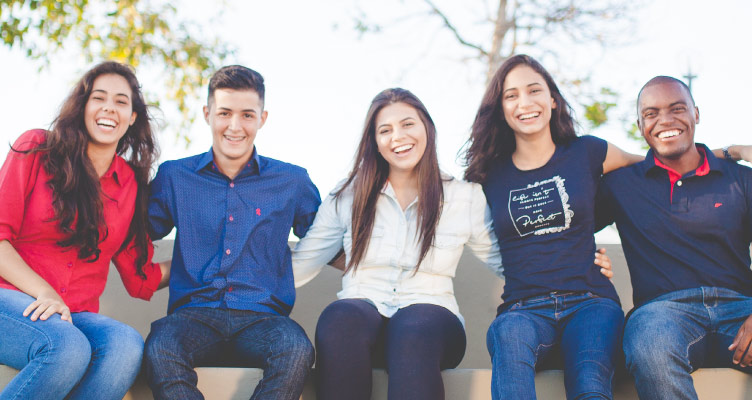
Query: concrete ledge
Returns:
{"type": "Point", "coordinates": [459, 384]}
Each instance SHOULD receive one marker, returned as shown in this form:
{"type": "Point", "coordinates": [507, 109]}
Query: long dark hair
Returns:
{"type": "Point", "coordinates": [76, 192]}
{"type": "Point", "coordinates": [370, 172]}
{"type": "Point", "coordinates": [492, 139]}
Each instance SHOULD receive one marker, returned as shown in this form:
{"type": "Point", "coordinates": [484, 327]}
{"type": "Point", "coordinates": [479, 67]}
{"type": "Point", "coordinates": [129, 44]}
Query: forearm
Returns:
{"type": "Point", "coordinates": [736, 152]}
{"type": "Point", "coordinates": [164, 266]}
{"type": "Point", "coordinates": [15, 270]}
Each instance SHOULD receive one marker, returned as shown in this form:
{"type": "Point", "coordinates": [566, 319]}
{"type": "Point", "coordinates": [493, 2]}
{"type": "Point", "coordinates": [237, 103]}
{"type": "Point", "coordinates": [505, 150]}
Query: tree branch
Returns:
{"type": "Point", "coordinates": [454, 30]}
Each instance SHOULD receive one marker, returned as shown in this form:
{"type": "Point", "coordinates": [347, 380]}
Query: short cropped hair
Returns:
{"type": "Point", "coordinates": [664, 79]}
{"type": "Point", "coordinates": [237, 77]}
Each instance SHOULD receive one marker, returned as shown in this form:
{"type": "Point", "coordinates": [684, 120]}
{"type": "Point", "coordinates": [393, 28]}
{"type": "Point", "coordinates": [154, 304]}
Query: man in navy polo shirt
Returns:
{"type": "Point", "coordinates": [685, 221]}
{"type": "Point", "coordinates": [231, 283]}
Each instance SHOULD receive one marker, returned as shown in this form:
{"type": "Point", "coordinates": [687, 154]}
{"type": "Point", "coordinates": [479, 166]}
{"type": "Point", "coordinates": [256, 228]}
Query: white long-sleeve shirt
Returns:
{"type": "Point", "coordinates": [385, 276]}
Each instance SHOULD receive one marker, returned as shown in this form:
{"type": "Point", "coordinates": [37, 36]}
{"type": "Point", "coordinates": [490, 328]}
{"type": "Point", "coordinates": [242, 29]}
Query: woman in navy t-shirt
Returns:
{"type": "Point", "coordinates": [540, 181]}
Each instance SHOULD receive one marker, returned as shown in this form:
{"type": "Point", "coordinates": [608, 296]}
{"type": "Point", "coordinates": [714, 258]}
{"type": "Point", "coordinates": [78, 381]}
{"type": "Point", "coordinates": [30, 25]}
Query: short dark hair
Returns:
{"type": "Point", "coordinates": [664, 79]}
{"type": "Point", "coordinates": [237, 77]}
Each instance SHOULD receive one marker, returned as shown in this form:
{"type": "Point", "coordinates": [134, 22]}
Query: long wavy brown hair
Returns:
{"type": "Point", "coordinates": [76, 192]}
{"type": "Point", "coordinates": [491, 138]}
{"type": "Point", "coordinates": [370, 172]}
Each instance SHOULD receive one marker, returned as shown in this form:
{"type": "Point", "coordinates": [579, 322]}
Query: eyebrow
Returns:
{"type": "Point", "coordinates": [105, 92]}
{"type": "Point", "coordinates": [532, 84]}
{"type": "Point", "coordinates": [248, 110]}
{"type": "Point", "coordinates": [680, 102]}
{"type": "Point", "coordinates": [402, 120]}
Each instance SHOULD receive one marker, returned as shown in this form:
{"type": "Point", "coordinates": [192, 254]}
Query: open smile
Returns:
{"type": "Point", "coordinates": [529, 116]}
{"type": "Point", "coordinates": [106, 123]}
{"type": "Point", "coordinates": [404, 149]}
{"type": "Point", "coordinates": [672, 133]}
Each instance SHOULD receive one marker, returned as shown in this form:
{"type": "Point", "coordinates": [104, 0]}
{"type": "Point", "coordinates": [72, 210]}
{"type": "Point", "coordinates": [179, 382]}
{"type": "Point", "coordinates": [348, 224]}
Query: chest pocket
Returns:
{"type": "Point", "coordinates": [445, 254]}
{"type": "Point", "coordinates": [374, 253]}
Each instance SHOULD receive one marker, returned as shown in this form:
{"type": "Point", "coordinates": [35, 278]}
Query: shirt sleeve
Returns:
{"type": "Point", "coordinates": [597, 149]}
{"type": "Point", "coordinates": [17, 179]}
{"type": "Point", "coordinates": [308, 202]}
{"type": "Point", "coordinates": [135, 285]}
{"type": "Point", "coordinates": [321, 243]}
{"type": "Point", "coordinates": [483, 241]}
{"type": "Point", "coordinates": [161, 219]}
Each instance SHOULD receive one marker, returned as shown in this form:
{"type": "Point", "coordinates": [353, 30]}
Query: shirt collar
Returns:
{"type": "Point", "coordinates": [710, 163]}
{"type": "Point", "coordinates": [206, 161]}
{"type": "Point", "coordinates": [117, 169]}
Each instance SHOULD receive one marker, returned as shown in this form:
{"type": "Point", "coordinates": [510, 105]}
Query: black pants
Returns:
{"type": "Point", "coordinates": [414, 345]}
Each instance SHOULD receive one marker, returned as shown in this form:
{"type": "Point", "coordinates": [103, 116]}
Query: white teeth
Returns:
{"type": "Point", "coordinates": [668, 134]}
{"type": "Point", "coordinates": [403, 148]}
{"type": "Point", "coordinates": [529, 115]}
{"type": "Point", "coordinates": [106, 122]}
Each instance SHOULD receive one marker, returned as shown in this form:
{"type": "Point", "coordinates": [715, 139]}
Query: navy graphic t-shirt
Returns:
{"type": "Point", "coordinates": [545, 219]}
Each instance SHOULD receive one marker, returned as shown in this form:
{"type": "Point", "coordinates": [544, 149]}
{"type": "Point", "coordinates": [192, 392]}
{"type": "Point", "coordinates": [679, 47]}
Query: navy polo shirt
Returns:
{"type": "Point", "coordinates": [693, 233]}
{"type": "Point", "coordinates": [231, 245]}
{"type": "Point", "coordinates": [544, 221]}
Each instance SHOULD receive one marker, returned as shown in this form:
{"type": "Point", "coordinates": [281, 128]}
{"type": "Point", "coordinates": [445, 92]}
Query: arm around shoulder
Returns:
{"type": "Point", "coordinates": [321, 243]}
{"type": "Point", "coordinates": [618, 158]}
{"type": "Point", "coordinates": [483, 241]}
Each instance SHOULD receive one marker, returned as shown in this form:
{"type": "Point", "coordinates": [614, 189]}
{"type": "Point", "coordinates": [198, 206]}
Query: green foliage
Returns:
{"type": "Point", "coordinates": [597, 112]}
{"type": "Point", "coordinates": [136, 32]}
{"type": "Point", "coordinates": [634, 133]}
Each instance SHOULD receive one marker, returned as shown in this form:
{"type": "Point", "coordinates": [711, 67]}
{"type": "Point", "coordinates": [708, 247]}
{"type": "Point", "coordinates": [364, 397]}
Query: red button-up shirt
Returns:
{"type": "Point", "coordinates": [26, 221]}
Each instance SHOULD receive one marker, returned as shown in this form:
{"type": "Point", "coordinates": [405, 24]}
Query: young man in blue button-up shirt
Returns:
{"type": "Point", "coordinates": [231, 283]}
{"type": "Point", "coordinates": [685, 221]}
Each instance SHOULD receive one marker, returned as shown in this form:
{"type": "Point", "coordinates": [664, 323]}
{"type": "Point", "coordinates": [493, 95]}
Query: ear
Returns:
{"type": "Point", "coordinates": [133, 119]}
{"type": "Point", "coordinates": [264, 114]}
{"type": "Point", "coordinates": [697, 115]}
{"type": "Point", "coordinates": [553, 103]}
{"type": "Point", "coordinates": [206, 114]}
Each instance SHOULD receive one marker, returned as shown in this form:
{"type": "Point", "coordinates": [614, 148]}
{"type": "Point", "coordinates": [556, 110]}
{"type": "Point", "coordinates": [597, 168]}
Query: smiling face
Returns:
{"type": "Point", "coordinates": [400, 137]}
{"type": "Point", "coordinates": [234, 116]}
{"type": "Point", "coordinates": [667, 119]}
{"type": "Point", "coordinates": [527, 102]}
{"type": "Point", "coordinates": [108, 112]}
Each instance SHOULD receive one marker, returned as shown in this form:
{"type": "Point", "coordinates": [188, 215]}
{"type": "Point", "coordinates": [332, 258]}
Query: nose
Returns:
{"type": "Point", "coordinates": [398, 133]}
{"type": "Point", "coordinates": [235, 123]}
{"type": "Point", "coordinates": [525, 100]}
{"type": "Point", "coordinates": [665, 118]}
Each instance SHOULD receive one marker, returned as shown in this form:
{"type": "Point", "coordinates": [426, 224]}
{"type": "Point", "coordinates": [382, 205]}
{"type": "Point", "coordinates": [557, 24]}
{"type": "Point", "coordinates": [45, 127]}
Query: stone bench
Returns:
{"type": "Point", "coordinates": [478, 292]}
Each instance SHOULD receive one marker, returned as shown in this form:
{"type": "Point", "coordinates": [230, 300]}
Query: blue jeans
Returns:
{"type": "Point", "coordinates": [193, 337]}
{"type": "Point", "coordinates": [674, 334]}
{"type": "Point", "coordinates": [586, 328]}
{"type": "Point", "coordinates": [96, 357]}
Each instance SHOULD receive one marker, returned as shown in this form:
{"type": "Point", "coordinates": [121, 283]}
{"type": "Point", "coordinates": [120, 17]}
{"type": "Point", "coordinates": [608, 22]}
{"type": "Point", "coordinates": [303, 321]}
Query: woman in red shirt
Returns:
{"type": "Point", "coordinates": [70, 204]}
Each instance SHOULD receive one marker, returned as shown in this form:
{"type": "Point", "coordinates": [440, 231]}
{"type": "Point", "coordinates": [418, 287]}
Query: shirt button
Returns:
{"type": "Point", "coordinates": [229, 289]}
{"type": "Point", "coordinates": [70, 265]}
{"type": "Point", "coordinates": [678, 183]}
{"type": "Point", "coordinates": [232, 184]}
{"type": "Point", "coordinates": [63, 290]}
{"type": "Point", "coordinates": [227, 251]}
{"type": "Point", "coordinates": [231, 218]}
{"type": "Point", "coordinates": [394, 290]}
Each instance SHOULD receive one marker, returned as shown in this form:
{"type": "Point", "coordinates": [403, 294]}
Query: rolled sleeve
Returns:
{"type": "Point", "coordinates": [17, 180]}
{"type": "Point", "coordinates": [135, 285]}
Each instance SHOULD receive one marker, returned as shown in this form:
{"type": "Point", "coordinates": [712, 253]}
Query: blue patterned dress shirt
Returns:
{"type": "Point", "coordinates": [231, 245]}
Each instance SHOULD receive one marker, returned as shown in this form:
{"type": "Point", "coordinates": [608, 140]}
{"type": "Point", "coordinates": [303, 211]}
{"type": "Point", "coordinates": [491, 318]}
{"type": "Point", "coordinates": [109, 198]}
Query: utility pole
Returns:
{"type": "Point", "coordinates": [689, 77]}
